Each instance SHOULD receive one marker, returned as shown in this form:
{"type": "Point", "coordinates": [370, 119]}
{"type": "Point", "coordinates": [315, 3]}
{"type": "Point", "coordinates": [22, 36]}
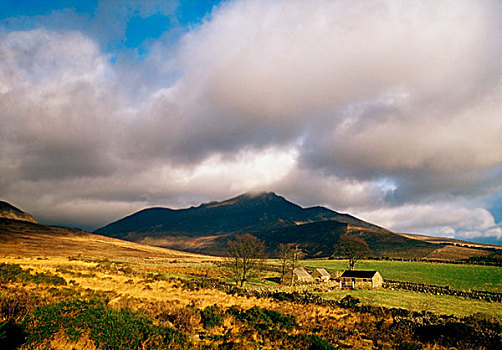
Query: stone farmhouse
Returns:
{"type": "Point", "coordinates": [360, 279]}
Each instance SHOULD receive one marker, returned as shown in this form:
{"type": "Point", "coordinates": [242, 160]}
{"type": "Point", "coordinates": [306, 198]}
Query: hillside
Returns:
{"type": "Point", "coordinates": [456, 249]}
{"type": "Point", "coordinates": [26, 239]}
{"type": "Point", "coordinates": [452, 241]}
{"type": "Point", "coordinates": [272, 218]}
{"type": "Point", "coordinates": [8, 211]}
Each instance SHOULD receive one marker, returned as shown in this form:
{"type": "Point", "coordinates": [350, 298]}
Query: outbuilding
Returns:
{"type": "Point", "coordinates": [321, 275]}
{"type": "Point", "coordinates": [301, 276]}
{"type": "Point", "coordinates": [360, 279]}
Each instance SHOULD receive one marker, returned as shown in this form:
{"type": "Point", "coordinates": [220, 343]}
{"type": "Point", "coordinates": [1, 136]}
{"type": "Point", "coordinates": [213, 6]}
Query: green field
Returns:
{"type": "Point", "coordinates": [440, 304]}
{"type": "Point", "coordinates": [457, 276]}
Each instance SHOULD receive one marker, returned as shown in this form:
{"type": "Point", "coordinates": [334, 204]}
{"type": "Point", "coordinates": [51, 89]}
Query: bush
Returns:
{"type": "Point", "coordinates": [211, 316]}
{"type": "Point", "coordinates": [264, 319]}
{"type": "Point", "coordinates": [447, 334]}
{"type": "Point", "coordinates": [14, 273]}
{"type": "Point", "coordinates": [108, 328]}
{"type": "Point", "coordinates": [410, 346]}
{"type": "Point", "coordinates": [9, 272]}
{"type": "Point", "coordinates": [15, 306]}
{"type": "Point", "coordinates": [349, 302]}
{"type": "Point", "coordinates": [185, 319]}
{"type": "Point", "coordinates": [313, 342]}
{"type": "Point", "coordinates": [461, 334]}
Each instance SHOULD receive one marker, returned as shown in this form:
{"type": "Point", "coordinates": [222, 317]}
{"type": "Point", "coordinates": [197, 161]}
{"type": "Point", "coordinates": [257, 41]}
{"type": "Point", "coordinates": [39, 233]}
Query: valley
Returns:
{"type": "Point", "coordinates": [59, 285]}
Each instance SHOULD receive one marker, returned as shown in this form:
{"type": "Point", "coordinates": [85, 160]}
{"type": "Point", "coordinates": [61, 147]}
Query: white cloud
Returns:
{"type": "Point", "coordinates": [437, 219]}
{"type": "Point", "coordinates": [58, 108]}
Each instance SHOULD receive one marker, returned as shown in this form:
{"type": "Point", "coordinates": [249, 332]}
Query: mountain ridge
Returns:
{"type": "Point", "coordinates": [264, 209]}
{"type": "Point", "coordinates": [8, 211]}
{"type": "Point", "coordinates": [271, 217]}
{"type": "Point", "coordinates": [315, 238]}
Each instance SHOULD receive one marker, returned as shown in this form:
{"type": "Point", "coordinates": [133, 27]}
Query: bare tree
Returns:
{"type": "Point", "coordinates": [353, 248]}
{"type": "Point", "coordinates": [296, 254]}
{"type": "Point", "coordinates": [285, 252]}
{"type": "Point", "coordinates": [289, 254]}
{"type": "Point", "coordinates": [245, 254]}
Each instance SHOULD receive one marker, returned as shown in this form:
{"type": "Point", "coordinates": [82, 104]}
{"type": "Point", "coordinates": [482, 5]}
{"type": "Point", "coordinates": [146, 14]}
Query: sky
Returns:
{"type": "Point", "coordinates": [388, 110]}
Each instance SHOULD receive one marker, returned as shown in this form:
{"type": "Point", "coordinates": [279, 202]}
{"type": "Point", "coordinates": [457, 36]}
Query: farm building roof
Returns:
{"type": "Point", "coordinates": [358, 274]}
{"type": "Point", "coordinates": [301, 273]}
{"type": "Point", "coordinates": [322, 272]}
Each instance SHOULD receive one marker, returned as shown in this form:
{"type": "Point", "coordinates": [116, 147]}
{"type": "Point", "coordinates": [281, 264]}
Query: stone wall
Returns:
{"type": "Point", "coordinates": [444, 290]}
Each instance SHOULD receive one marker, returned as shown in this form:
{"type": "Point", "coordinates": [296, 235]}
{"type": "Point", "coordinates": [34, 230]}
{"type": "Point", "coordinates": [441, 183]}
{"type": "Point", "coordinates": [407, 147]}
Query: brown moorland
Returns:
{"type": "Point", "coordinates": [21, 238]}
{"type": "Point", "coordinates": [69, 289]}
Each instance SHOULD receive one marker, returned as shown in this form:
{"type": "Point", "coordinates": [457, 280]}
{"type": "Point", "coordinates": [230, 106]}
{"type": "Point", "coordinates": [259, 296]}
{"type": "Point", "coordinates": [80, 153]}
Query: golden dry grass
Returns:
{"type": "Point", "coordinates": [136, 285]}
{"type": "Point", "coordinates": [185, 242]}
{"type": "Point", "coordinates": [449, 253]}
{"type": "Point", "coordinates": [136, 290]}
{"type": "Point", "coordinates": [130, 284]}
{"type": "Point", "coordinates": [61, 342]}
{"type": "Point", "coordinates": [25, 239]}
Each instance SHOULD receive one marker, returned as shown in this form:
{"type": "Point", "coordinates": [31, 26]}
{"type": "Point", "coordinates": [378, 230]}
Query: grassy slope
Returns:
{"type": "Point", "coordinates": [456, 276]}
{"type": "Point", "coordinates": [18, 238]}
{"type": "Point", "coordinates": [135, 283]}
{"type": "Point", "coordinates": [271, 218]}
{"type": "Point", "coordinates": [442, 304]}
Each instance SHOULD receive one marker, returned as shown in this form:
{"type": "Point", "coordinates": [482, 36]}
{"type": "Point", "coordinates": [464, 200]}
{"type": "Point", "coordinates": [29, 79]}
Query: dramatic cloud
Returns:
{"type": "Point", "coordinates": [352, 82]}
{"type": "Point", "coordinates": [389, 110]}
{"type": "Point", "coordinates": [57, 102]}
{"type": "Point", "coordinates": [445, 220]}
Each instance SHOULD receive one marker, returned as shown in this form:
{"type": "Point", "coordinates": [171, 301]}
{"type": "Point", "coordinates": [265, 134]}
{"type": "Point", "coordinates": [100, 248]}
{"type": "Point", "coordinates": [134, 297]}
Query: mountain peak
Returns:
{"type": "Point", "coordinates": [8, 211]}
{"type": "Point", "coordinates": [250, 199]}
{"type": "Point", "coordinates": [260, 198]}
{"type": "Point", "coordinates": [260, 195]}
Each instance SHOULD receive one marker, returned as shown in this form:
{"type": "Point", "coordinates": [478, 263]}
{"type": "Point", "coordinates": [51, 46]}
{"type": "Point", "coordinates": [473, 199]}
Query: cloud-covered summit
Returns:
{"type": "Point", "coordinates": [389, 110]}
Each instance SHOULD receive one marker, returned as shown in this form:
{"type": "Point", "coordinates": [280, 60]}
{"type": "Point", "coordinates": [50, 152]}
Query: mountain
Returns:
{"type": "Point", "coordinates": [207, 228]}
{"type": "Point", "coordinates": [8, 211]}
{"type": "Point", "coordinates": [247, 212]}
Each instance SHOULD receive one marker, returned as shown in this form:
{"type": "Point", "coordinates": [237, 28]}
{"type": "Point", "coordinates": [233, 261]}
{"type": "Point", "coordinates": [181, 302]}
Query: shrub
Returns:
{"type": "Point", "coordinates": [9, 272]}
{"type": "Point", "coordinates": [264, 319]}
{"type": "Point", "coordinates": [211, 316]}
{"type": "Point", "coordinates": [281, 296]}
{"type": "Point", "coordinates": [185, 319]}
{"type": "Point", "coordinates": [410, 346]}
{"type": "Point", "coordinates": [461, 334]}
{"type": "Point", "coordinates": [108, 328]}
{"type": "Point", "coordinates": [313, 342]}
{"type": "Point", "coordinates": [15, 306]}
{"type": "Point", "coordinates": [14, 273]}
{"type": "Point", "coordinates": [349, 302]}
